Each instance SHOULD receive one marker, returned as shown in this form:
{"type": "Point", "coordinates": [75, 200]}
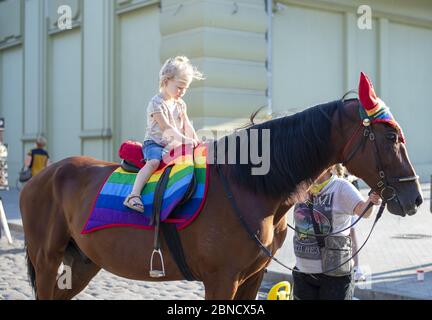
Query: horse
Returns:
{"type": "Point", "coordinates": [219, 252]}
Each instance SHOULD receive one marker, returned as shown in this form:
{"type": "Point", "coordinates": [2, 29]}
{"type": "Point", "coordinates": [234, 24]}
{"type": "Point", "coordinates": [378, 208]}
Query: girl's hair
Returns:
{"type": "Point", "coordinates": [41, 141]}
{"type": "Point", "coordinates": [179, 68]}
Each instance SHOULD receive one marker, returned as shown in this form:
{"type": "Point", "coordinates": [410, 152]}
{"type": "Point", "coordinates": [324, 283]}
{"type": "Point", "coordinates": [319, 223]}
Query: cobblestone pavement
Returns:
{"type": "Point", "coordinates": [105, 286]}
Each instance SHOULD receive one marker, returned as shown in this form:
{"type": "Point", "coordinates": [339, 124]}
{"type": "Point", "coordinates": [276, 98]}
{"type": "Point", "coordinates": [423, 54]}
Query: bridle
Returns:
{"type": "Point", "coordinates": [382, 186]}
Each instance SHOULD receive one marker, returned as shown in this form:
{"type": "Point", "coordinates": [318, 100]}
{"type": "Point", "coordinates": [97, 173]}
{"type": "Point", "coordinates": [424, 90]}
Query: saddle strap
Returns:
{"type": "Point", "coordinates": [173, 241]}
{"type": "Point", "coordinates": [157, 204]}
{"type": "Point", "coordinates": [159, 193]}
{"type": "Point", "coordinates": [169, 230]}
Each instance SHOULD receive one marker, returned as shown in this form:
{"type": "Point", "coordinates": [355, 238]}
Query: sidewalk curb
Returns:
{"type": "Point", "coordinates": [362, 294]}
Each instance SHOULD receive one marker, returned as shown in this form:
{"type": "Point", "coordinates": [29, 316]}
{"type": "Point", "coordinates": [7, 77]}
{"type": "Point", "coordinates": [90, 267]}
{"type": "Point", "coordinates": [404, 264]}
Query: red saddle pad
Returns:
{"type": "Point", "coordinates": [131, 151]}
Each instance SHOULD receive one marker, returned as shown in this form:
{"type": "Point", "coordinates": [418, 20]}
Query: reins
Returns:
{"type": "Point", "coordinates": [254, 235]}
{"type": "Point", "coordinates": [382, 186]}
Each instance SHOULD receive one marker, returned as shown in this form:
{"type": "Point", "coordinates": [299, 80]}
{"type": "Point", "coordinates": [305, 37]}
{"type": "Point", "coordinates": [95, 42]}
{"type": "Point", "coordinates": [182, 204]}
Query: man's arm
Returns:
{"type": "Point", "coordinates": [361, 206]}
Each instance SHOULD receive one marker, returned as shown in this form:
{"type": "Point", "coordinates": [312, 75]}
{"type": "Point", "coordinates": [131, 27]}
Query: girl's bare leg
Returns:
{"type": "Point", "coordinates": [134, 199]}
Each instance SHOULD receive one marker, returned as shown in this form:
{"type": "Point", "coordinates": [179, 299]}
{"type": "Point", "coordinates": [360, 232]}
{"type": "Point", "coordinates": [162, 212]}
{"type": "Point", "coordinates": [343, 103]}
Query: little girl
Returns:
{"type": "Point", "coordinates": [168, 125]}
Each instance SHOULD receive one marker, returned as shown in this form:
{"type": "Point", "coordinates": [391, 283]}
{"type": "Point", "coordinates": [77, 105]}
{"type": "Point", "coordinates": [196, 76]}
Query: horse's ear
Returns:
{"type": "Point", "coordinates": [367, 93]}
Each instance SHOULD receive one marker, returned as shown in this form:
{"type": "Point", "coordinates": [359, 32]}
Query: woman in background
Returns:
{"type": "Point", "coordinates": [37, 159]}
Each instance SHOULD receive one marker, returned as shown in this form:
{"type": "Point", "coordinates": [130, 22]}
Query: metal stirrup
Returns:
{"type": "Point", "coordinates": [155, 220]}
{"type": "Point", "coordinates": [157, 273]}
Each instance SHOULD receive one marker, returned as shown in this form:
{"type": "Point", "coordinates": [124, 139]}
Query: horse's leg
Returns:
{"type": "Point", "coordinates": [46, 231]}
{"type": "Point", "coordinates": [82, 272]}
{"type": "Point", "coordinates": [220, 287]}
{"type": "Point", "coordinates": [248, 290]}
{"type": "Point", "coordinates": [46, 254]}
{"type": "Point", "coordinates": [46, 267]}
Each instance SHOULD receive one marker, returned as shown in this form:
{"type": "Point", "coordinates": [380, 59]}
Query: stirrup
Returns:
{"type": "Point", "coordinates": [157, 273]}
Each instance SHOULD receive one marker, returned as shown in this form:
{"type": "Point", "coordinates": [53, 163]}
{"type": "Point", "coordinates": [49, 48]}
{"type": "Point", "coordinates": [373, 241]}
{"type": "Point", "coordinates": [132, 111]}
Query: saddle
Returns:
{"type": "Point", "coordinates": [132, 160]}
{"type": "Point", "coordinates": [173, 198]}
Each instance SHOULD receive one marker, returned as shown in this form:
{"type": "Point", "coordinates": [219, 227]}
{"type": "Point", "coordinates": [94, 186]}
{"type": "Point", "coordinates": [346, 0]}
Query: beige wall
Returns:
{"type": "Point", "coordinates": [64, 95]}
{"type": "Point", "coordinates": [139, 63]}
{"type": "Point", "coordinates": [319, 51]}
{"type": "Point", "coordinates": [87, 88]}
{"type": "Point", "coordinates": [12, 82]}
{"type": "Point", "coordinates": [97, 79]}
{"type": "Point", "coordinates": [11, 101]}
{"type": "Point", "coordinates": [409, 87]}
{"type": "Point", "coordinates": [307, 69]}
{"type": "Point", "coordinates": [226, 40]}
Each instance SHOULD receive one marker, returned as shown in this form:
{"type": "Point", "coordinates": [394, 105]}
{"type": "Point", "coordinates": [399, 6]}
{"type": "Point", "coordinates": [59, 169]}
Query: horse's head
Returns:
{"type": "Point", "coordinates": [376, 152]}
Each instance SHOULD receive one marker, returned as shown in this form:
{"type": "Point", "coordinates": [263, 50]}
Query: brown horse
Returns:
{"type": "Point", "coordinates": [219, 252]}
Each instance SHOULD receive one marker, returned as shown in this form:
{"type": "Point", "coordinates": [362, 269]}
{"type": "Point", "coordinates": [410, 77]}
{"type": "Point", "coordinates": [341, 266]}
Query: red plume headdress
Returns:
{"type": "Point", "coordinates": [375, 108]}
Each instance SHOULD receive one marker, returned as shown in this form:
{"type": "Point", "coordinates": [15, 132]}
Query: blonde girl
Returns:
{"type": "Point", "coordinates": [168, 124]}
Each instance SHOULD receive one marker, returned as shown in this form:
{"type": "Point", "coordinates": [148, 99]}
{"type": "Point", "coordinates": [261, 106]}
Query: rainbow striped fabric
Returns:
{"type": "Point", "coordinates": [109, 211]}
{"type": "Point", "coordinates": [381, 113]}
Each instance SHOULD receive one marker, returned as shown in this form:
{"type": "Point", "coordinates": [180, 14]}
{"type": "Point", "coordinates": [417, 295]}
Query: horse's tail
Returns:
{"type": "Point", "coordinates": [31, 272]}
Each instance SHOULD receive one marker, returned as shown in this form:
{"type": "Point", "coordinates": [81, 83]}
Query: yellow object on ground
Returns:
{"type": "Point", "coordinates": [276, 294]}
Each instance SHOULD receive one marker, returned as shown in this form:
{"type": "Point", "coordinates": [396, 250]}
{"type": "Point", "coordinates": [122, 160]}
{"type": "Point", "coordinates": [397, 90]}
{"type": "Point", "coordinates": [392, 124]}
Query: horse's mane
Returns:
{"type": "Point", "coordinates": [300, 147]}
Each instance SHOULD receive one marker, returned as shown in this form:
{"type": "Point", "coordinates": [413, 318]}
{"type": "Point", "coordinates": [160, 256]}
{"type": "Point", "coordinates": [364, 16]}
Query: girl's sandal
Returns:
{"type": "Point", "coordinates": [135, 205]}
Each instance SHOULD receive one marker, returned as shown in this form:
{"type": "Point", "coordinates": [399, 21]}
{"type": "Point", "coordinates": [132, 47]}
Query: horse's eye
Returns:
{"type": "Point", "coordinates": [392, 136]}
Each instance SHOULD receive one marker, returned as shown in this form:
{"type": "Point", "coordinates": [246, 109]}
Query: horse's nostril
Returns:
{"type": "Point", "coordinates": [419, 201]}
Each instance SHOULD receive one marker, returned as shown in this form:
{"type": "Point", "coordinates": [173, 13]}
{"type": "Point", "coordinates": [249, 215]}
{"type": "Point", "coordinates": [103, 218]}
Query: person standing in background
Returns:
{"type": "Point", "coordinates": [342, 172]}
{"type": "Point", "coordinates": [38, 158]}
{"type": "Point", "coordinates": [322, 241]}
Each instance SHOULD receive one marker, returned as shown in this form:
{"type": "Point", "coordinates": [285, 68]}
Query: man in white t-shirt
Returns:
{"type": "Point", "coordinates": [335, 201]}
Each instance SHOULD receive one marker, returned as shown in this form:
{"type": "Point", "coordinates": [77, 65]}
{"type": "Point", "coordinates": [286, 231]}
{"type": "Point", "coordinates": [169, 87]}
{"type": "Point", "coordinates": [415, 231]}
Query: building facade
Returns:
{"type": "Point", "coordinates": [86, 88]}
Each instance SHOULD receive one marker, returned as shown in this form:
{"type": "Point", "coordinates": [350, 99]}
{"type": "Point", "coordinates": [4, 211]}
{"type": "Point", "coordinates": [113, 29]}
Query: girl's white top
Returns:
{"type": "Point", "coordinates": [174, 112]}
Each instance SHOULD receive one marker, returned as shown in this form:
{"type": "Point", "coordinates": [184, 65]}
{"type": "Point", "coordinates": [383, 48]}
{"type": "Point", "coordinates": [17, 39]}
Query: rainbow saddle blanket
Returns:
{"type": "Point", "coordinates": [183, 197]}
